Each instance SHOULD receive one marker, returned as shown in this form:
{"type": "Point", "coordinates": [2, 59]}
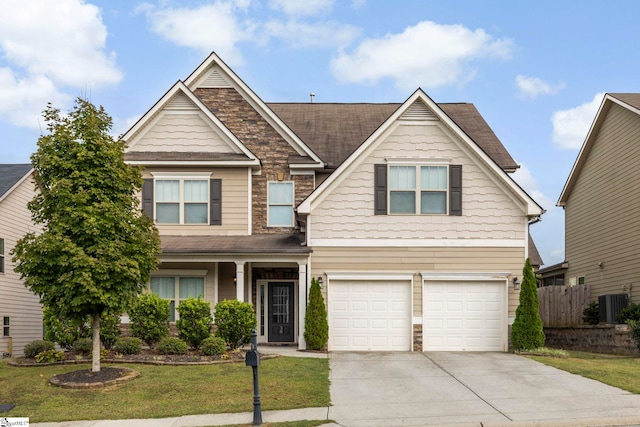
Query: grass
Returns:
{"type": "Point", "coordinates": [167, 391]}
{"type": "Point", "coordinates": [305, 423]}
{"type": "Point", "coordinates": [618, 371]}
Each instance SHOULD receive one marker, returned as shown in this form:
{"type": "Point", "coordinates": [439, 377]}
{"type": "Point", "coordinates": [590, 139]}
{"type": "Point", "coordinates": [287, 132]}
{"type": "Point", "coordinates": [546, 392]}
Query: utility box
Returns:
{"type": "Point", "coordinates": [609, 306]}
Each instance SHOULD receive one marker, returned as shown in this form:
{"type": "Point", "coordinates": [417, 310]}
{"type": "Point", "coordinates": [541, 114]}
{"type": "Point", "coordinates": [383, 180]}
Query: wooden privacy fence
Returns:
{"type": "Point", "coordinates": [563, 305]}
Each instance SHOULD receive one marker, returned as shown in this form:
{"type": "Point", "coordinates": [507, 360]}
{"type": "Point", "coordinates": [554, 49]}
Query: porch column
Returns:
{"type": "Point", "coordinates": [302, 304]}
{"type": "Point", "coordinates": [240, 281]}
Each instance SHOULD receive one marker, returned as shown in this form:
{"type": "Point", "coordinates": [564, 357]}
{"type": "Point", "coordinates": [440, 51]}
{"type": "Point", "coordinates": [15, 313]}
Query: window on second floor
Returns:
{"type": "Point", "coordinates": [1, 255]}
{"type": "Point", "coordinates": [182, 201]}
{"type": "Point", "coordinates": [280, 201]}
{"type": "Point", "coordinates": [418, 189]}
{"type": "Point", "coordinates": [176, 289]}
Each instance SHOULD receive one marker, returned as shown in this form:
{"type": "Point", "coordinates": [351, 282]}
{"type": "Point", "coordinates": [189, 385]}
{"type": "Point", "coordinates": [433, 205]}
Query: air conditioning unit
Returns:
{"type": "Point", "coordinates": [610, 305]}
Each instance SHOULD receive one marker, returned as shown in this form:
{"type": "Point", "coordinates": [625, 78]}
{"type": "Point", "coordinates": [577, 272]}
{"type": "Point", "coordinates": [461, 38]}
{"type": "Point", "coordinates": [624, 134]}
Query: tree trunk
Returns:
{"type": "Point", "coordinates": [95, 366]}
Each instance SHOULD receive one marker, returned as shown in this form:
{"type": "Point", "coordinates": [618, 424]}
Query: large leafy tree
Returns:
{"type": "Point", "coordinates": [527, 332]}
{"type": "Point", "coordinates": [97, 248]}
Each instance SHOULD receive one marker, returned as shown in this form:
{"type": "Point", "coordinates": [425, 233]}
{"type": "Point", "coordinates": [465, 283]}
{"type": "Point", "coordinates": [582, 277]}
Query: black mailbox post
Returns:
{"type": "Point", "coordinates": [253, 359]}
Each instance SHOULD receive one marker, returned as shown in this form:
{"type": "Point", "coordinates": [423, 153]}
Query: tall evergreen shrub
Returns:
{"type": "Point", "coordinates": [526, 332]}
{"type": "Point", "coordinates": [316, 328]}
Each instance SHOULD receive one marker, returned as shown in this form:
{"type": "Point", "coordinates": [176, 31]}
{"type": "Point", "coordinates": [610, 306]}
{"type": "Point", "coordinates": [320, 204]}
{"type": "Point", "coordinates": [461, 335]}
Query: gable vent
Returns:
{"type": "Point", "coordinates": [180, 102]}
{"type": "Point", "coordinates": [214, 79]}
{"type": "Point", "coordinates": [418, 111]}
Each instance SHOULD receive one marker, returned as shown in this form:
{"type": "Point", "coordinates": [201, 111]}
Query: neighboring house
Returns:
{"type": "Point", "coordinates": [404, 212]}
{"type": "Point", "coordinates": [20, 309]}
{"type": "Point", "coordinates": [601, 199]}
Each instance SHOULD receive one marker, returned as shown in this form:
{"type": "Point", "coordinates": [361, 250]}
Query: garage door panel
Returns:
{"type": "Point", "coordinates": [379, 315]}
{"type": "Point", "coordinates": [461, 316]}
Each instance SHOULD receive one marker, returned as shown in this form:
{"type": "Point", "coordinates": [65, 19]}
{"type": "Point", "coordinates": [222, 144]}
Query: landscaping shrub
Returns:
{"type": "Point", "coordinates": [213, 346]}
{"type": "Point", "coordinates": [635, 331]}
{"type": "Point", "coordinates": [172, 345]}
{"type": "Point", "coordinates": [128, 345]}
{"type": "Point", "coordinates": [630, 313]}
{"type": "Point", "coordinates": [50, 356]}
{"type": "Point", "coordinates": [65, 331]}
{"type": "Point", "coordinates": [32, 348]}
{"type": "Point", "coordinates": [83, 346]}
{"type": "Point", "coordinates": [109, 330]}
{"type": "Point", "coordinates": [591, 314]}
{"type": "Point", "coordinates": [316, 328]}
{"type": "Point", "coordinates": [526, 332]}
{"type": "Point", "coordinates": [149, 317]}
{"type": "Point", "coordinates": [234, 322]}
{"type": "Point", "coordinates": [194, 324]}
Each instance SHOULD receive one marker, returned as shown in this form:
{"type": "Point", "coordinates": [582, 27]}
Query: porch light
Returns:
{"type": "Point", "coordinates": [235, 279]}
{"type": "Point", "coordinates": [516, 283]}
{"type": "Point", "coordinates": [320, 281]}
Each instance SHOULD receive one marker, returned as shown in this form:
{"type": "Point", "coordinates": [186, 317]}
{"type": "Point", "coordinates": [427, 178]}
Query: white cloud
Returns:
{"type": "Point", "coordinates": [427, 55]}
{"type": "Point", "coordinates": [302, 35]}
{"type": "Point", "coordinates": [531, 87]}
{"type": "Point", "coordinates": [570, 127]}
{"type": "Point", "coordinates": [205, 28]}
{"type": "Point", "coordinates": [302, 7]}
{"type": "Point", "coordinates": [525, 179]}
{"type": "Point", "coordinates": [49, 47]}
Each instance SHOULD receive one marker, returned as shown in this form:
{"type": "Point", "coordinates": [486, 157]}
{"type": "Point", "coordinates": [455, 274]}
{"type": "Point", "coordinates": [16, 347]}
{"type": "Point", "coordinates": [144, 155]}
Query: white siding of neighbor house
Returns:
{"type": "Point", "coordinates": [488, 212]}
{"type": "Point", "coordinates": [235, 209]}
{"type": "Point", "coordinates": [16, 301]}
{"type": "Point", "coordinates": [417, 260]}
{"type": "Point", "coordinates": [601, 213]}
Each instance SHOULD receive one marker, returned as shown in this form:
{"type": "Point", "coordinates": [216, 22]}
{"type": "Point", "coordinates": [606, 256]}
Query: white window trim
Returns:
{"type": "Point", "coordinates": [418, 190]}
{"type": "Point", "coordinates": [176, 275]}
{"type": "Point", "coordinates": [181, 177]}
{"type": "Point", "coordinates": [293, 202]}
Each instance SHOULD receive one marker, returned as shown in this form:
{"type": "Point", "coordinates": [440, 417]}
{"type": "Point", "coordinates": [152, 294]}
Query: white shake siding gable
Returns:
{"type": "Point", "coordinates": [489, 211]}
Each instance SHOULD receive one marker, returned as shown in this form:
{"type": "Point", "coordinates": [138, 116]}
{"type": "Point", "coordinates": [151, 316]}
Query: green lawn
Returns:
{"type": "Point", "coordinates": [167, 391]}
{"type": "Point", "coordinates": [619, 371]}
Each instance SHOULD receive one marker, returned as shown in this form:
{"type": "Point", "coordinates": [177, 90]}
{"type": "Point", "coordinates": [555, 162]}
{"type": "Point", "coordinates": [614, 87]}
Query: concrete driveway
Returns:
{"type": "Point", "coordinates": [471, 389]}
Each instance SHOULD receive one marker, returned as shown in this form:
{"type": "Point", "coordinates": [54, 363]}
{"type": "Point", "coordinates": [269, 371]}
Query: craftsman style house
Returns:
{"type": "Point", "coordinates": [600, 200]}
{"type": "Point", "coordinates": [20, 309]}
{"type": "Point", "coordinates": [405, 213]}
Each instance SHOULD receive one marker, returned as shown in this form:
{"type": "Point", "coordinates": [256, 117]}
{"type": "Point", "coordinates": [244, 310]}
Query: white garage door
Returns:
{"type": "Point", "coordinates": [369, 315]}
{"type": "Point", "coordinates": [464, 316]}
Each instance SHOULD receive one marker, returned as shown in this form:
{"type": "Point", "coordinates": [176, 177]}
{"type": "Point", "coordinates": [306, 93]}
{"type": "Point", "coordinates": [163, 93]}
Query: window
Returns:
{"type": "Point", "coordinates": [1, 255]}
{"type": "Point", "coordinates": [176, 289]}
{"type": "Point", "coordinates": [6, 326]}
{"type": "Point", "coordinates": [581, 280]}
{"type": "Point", "coordinates": [280, 212]}
{"type": "Point", "coordinates": [420, 189]}
{"type": "Point", "coordinates": [182, 201]}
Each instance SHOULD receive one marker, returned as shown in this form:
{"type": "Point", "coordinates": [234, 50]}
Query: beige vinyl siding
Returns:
{"type": "Point", "coordinates": [181, 132]}
{"type": "Point", "coordinates": [235, 209]}
{"type": "Point", "coordinates": [417, 260]}
{"type": "Point", "coordinates": [601, 213]}
{"type": "Point", "coordinates": [488, 211]}
{"type": "Point", "coordinates": [16, 301]}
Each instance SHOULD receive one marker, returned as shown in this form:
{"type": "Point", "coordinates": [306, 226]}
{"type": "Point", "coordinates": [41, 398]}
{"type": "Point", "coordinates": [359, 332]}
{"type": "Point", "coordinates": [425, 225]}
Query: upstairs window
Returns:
{"type": "Point", "coordinates": [182, 201]}
{"type": "Point", "coordinates": [280, 199]}
{"type": "Point", "coordinates": [1, 255]}
{"type": "Point", "coordinates": [418, 189]}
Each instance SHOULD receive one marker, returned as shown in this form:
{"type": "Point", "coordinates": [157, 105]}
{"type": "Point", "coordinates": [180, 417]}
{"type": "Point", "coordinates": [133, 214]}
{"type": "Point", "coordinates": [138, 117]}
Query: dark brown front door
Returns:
{"type": "Point", "coordinates": [281, 312]}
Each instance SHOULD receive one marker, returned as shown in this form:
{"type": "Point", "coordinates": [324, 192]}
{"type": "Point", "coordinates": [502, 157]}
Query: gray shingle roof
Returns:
{"type": "Point", "coordinates": [334, 131]}
{"type": "Point", "coordinates": [256, 244]}
{"type": "Point", "coordinates": [10, 174]}
{"type": "Point", "coordinates": [632, 99]}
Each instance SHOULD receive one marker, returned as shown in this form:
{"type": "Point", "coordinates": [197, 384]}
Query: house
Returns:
{"type": "Point", "coordinates": [405, 213]}
{"type": "Point", "coordinates": [20, 309]}
{"type": "Point", "coordinates": [600, 198]}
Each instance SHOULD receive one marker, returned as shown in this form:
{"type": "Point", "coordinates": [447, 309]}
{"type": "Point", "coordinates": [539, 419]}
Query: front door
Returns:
{"type": "Point", "coordinates": [281, 312]}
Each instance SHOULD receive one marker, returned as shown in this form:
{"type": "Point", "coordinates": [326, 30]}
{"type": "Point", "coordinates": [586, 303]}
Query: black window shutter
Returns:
{"type": "Point", "coordinates": [147, 197]}
{"type": "Point", "coordinates": [380, 189]}
{"type": "Point", "coordinates": [455, 190]}
{"type": "Point", "coordinates": [215, 205]}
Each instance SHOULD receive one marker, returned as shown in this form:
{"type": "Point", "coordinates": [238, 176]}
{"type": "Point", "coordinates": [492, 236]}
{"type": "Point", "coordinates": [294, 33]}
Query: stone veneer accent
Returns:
{"type": "Point", "coordinates": [612, 339]}
{"type": "Point", "coordinates": [263, 141]}
{"type": "Point", "coordinates": [417, 337]}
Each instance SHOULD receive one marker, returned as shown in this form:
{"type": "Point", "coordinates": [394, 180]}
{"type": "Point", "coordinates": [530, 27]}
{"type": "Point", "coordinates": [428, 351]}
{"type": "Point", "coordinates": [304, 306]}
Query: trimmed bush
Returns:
{"type": "Point", "coordinates": [591, 314]}
{"type": "Point", "coordinates": [109, 330]}
{"type": "Point", "coordinates": [629, 313]}
{"type": "Point", "coordinates": [194, 324]}
{"type": "Point", "coordinates": [128, 345]}
{"type": "Point", "coordinates": [83, 346]}
{"type": "Point", "coordinates": [316, 328]}
{"type": "Point", "coordinates": [172, 345]}
{"type": "Point", "coordinates": [526, 332]}
{"type": "Point", "coordinates": [149, 317]}
{"type": "Point", "coordinates": [65, 331]}
{"type": "Point", "coordinates": [213, 346]}
{"type": "Point", "coordinates": [50, 356]}
{"type": "Point", "coordinates": [234, 322]}
{"type": "Point", "coordinates": [32, 348]}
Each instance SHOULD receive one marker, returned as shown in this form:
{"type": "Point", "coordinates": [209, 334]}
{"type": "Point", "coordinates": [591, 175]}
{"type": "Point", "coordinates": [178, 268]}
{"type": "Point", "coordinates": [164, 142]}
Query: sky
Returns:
{"type": "Point", "coordinates": [536, 71]}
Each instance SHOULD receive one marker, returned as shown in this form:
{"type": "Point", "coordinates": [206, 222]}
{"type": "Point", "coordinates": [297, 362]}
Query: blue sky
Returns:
{"type": "Point", "coordinates": [535, 70]}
